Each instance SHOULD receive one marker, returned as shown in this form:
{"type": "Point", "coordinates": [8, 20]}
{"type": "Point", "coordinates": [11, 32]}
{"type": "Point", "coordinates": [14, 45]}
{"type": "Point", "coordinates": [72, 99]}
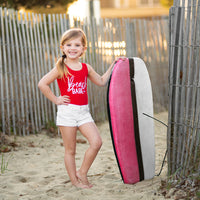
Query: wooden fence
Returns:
{"type": "Point", "coordinates": [184, 88]}
{"type": "Point", "coordinates": [29, 47]}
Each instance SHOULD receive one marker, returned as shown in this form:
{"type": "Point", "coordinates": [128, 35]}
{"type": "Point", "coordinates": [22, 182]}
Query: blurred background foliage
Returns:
{"type": "Point", "coordinates": [167, 3]}
{"type": "Point", "coordinates": [27, 4]}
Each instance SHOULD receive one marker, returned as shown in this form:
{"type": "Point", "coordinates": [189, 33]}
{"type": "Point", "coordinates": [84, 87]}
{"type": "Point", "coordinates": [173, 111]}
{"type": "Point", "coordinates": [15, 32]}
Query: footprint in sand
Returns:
{"type": "Point", "coordinates": [56, 191]}
{"type": "Point", "coordinates": [21, 179]}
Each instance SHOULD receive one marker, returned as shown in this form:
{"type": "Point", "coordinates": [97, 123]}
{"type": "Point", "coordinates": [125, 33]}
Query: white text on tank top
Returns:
{"type": "Point", "coordinates": [76, 87]}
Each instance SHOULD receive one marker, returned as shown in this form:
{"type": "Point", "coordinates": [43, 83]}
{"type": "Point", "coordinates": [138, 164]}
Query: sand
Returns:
{"type": "Point", "coordinates": [36, 170]}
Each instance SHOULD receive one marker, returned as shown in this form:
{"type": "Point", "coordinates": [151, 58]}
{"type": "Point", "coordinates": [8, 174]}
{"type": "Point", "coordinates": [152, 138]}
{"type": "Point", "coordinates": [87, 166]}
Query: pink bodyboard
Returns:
{"type": "Point", "coordinates": [121, 118]}
{"type": "Point", "coordinates": [129, 97]}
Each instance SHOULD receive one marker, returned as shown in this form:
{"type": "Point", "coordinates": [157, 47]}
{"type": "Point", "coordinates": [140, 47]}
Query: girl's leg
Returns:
{"type": "Point", "coordinates": [91, 132]}
{"type": "Point", "coordinates": [69, 142]}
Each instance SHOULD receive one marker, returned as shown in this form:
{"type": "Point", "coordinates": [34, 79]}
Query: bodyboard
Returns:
{"type": "Point", "coordinates": [129, 96]}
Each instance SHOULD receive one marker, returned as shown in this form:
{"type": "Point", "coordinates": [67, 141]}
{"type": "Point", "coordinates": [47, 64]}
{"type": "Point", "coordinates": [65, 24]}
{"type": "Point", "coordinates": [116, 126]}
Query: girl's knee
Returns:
{"type": "Point", "coordinates": [99, 143]}
{"type": "Point", "coordinates": [96, 144]}
{"type": "Point", "coordinates": [70, 152]}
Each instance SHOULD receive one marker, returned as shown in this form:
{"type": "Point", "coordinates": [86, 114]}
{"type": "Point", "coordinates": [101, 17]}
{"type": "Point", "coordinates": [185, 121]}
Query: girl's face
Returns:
{"type": "Point", "coordinates": [73, 49]}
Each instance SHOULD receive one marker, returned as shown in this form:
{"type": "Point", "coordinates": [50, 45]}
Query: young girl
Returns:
{"type": "Point", "coordinates": [73, 112]}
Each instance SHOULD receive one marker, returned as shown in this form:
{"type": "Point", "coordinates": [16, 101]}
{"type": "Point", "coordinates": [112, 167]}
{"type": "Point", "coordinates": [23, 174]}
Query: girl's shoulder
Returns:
{"type": "Point", "coordinates": [89, 67]}
{"type": "Point", "coordinates": [50, 76]}
{"type": "Point", "coordinates": [55, 72]}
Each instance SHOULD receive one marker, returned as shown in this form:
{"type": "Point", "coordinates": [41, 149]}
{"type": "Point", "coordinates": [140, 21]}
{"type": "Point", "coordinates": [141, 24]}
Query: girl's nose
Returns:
{"type": "Point", "coordinates": [72, 47]}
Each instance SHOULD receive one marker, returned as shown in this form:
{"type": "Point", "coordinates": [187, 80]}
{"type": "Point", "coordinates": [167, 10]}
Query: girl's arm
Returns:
{"type": "Point", "coordinates": [45, 89]}
{"type": "Point", "coordinates": [96, 78]}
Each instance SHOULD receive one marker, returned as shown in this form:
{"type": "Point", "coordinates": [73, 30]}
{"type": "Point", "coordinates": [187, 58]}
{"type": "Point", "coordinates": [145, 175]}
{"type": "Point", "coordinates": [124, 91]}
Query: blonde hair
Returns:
{"type": "Point", "coordinates": [67, 36]}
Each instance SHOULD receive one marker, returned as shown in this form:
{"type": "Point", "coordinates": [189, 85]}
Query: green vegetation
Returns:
{"type": "Point", "coordinates": [4, 164]}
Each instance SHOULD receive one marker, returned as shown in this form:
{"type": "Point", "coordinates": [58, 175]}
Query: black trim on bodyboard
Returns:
{"type": "Point", "coordinates": [135, 117]}
{"type": "Point", "coordinates": [110, 125]}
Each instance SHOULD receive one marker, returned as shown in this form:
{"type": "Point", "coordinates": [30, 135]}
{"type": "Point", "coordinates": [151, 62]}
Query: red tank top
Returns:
{"type": "Point", "coordinates": [75, 85]}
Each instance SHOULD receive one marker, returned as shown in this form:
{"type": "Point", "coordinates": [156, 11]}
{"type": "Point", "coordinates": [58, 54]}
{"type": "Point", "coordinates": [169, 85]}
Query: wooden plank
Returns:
{"type": "Point", "coordinates": [176, 3]}
{"type": "Point", "coordinates": [183, 129]}
{"type": "Point", "coordinates": [140, 28]}
{"type": "Point", "coordinates": [32, 67]}
{"type": "Point", "coordinates": [178, 65]}
{"type": "Point", "coordinates": [40, 71]}
{"type": "Point", "coordinates": [86, 29]}
{"type": "Point", "coordinates": [52, 61]}
{"type": "Point", "coordinates": [5, 64]}
{"type": "Point", "coordinates": [28, 66]}
{"type": "Point", "coordinates": [191, 94]}
{"type": "Point", "coordinates": [10, 100]}
{"type": "Point", "coordinates": [16, 77]}
{"type": "Point", "coordinates": [145, 38]}
{"type": "Point", "coordinates": [21, 70]}
{"type": "Point", "coordinates": [2, 49]}
{"type": "Point", "coordinates": [177, 100]}
{"type": "Point", "coordinates": [13, 80]}
{"type": "Point", "coordinates": [56, 48]}
{"type": "Point", "coordinates": [18, 82]}
{"type": "Point", "coordinates": [44, 65]}
{"type": "Point", "coordinates": [61, 26]}
{"type": "Point", "coordinates": [47, 57]}
{"type": "Point", "coordinates": [86, 59]}
{"type": "Point", "coordinates": [171, 131]}
{"type": "Point", "coordinates": [157, 38]}
{"type": "Point", "coordinates": [170, 128]}
{"type": "Point", "coordinates": [126, 24]}
{"type": "Point", "coordinates": [36, 67]}
{"type": "Point", "coordinates": [197, 116]}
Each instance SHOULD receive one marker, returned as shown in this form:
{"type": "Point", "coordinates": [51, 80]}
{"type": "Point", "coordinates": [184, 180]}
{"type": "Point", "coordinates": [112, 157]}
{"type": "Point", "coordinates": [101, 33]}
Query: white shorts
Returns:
{"type": "Point", "coordinates": [73, 115]}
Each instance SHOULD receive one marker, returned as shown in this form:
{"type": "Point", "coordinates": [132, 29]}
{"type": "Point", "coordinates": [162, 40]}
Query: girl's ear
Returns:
{"type": "Point", "coordinates": [84, 49]}
{"type": "Point", "coordinates": [61, 48]}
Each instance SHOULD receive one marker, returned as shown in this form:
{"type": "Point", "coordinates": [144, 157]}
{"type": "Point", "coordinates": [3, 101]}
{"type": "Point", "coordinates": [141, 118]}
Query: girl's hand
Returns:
{"type": "Point", "coordinates": [63, 100]}
{"type": "Point", "coordinates": [102, 80]}
{"type": "Point", "coordinates": [117, 59]}
{"type": "Point", "coordinates": [120, 58]}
